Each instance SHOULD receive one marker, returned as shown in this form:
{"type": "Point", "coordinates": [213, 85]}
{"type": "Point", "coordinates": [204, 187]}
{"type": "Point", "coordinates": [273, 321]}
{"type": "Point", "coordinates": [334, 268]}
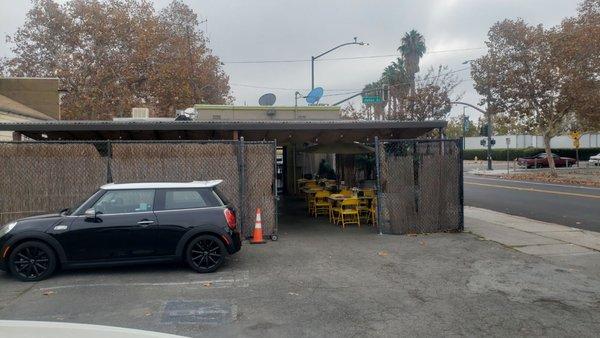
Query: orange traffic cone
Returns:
{"type": "Point", "coordinates": [258, 234]}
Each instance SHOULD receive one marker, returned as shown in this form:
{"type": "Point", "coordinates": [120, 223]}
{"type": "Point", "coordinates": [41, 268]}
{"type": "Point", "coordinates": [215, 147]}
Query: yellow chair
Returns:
{"type": "Point", "coordinates": [369, 192]}
{"type": "Point", "coordinates": [364, 208]}
{"type": "Point", "coordinates": [311, 184]}
{"type": "Point", "coordinates": [346, 192]}
{"type": "Point", "coordinates": [321, 203]}
{"type": "Point", "coordinates": [333, 208]}
{"type": "Point", "coordinates": [310, 200]}
{"type": "Point", "coordinates": [373, 212]}
{"type": "Point", "coordinates": [348, 212]}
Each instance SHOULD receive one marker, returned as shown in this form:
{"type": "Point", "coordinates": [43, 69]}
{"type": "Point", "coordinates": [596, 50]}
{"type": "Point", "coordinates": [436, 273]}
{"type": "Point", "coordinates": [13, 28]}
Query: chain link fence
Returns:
{"type": "Point", "coordinates": [42, 177]}
{"type": "Point", "coordinates": [37, 178]}
{"type": "Point", "coordinates": [420, 186]}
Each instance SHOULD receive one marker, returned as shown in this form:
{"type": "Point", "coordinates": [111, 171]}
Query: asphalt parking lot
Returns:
{"type": "Point", "coordinates": [318, 280]}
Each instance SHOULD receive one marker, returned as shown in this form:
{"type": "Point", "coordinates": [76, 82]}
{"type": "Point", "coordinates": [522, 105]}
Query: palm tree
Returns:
{"type": "Point", "coordinates": [396, 78]}
{"type": "Point", "coordinates": [412, 49]}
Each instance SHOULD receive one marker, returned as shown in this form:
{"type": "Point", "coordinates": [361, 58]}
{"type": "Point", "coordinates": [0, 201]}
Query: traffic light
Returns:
{"type": "Point", "coordinates": [484, 130]}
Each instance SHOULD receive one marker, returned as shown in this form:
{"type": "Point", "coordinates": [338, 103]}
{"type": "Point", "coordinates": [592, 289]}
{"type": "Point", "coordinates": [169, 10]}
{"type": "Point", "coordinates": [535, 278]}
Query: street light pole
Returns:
{"type": "Point", "coordinates": [489, 134]}
{"type": "Point", "coordinates": [488, 115]}
{"type": "Point", "coordinates": [313, 58]}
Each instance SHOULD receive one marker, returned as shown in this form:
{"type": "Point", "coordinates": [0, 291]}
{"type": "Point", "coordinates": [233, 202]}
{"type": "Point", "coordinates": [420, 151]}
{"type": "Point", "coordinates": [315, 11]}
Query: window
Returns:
{"type": "Point", "coordinates": [125, 201]}
{"type": "Point", "coordinates": [190, 198]}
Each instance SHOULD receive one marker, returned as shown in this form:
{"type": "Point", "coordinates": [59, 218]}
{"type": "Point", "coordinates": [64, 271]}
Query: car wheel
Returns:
{"type": "Point", "coordinates": [205, 253]}
{"type": "Point", "coordinates": [32, 261]}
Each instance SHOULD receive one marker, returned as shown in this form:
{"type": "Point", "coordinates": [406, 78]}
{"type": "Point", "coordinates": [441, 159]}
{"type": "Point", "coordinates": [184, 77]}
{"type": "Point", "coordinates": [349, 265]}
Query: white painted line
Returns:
{"type": "Point", "coordinates": [215, 283]}
{"type": "Point", "coordinates": [534, 183]}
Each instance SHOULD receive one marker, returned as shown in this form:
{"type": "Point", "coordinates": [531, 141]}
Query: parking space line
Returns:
{"type": "Point", "coordinates": [214, 283]}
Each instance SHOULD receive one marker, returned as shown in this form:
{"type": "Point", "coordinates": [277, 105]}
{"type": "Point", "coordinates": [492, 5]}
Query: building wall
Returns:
{"type": "Point", "coordinates": [8, 118]}
{"type": "Point", "coordinates": [533, 141]}
{"type": "Point", "coordinates": [40, 94]}
{"type": "Point", "coordinates": [224, 112]}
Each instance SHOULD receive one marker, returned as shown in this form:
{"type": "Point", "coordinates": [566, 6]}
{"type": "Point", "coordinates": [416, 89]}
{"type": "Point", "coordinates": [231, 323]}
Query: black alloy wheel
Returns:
{"type": "Point", "coordinates": [205, 253]}
{"type": "Point", "coordinates": [32, 261]}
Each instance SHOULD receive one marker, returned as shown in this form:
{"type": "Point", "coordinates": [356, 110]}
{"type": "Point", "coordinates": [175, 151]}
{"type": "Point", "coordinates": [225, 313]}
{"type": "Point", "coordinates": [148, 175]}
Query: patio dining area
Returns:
{"type": "Point", "coordinates": [341, 205]}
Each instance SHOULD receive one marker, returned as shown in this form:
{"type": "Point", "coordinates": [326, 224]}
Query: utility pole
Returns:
{"type": "Point", "coordinates": [489, 134]}
{"type": "Point", "coordinates": [464, 117]}
{"type": "Point", "coordinates": [488, 114]}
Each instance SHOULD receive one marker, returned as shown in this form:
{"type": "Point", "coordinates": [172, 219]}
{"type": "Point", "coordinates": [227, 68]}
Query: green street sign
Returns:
{"type": "Point", "coordinates": [372, 99]}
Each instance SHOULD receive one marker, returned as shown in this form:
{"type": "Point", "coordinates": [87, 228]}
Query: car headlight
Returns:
{"type": "Point", "coordinates": [7, 228]}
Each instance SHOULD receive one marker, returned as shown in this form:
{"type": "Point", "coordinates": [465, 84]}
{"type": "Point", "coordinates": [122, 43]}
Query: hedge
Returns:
{"type": "Point", "coordinates": [500, 154]}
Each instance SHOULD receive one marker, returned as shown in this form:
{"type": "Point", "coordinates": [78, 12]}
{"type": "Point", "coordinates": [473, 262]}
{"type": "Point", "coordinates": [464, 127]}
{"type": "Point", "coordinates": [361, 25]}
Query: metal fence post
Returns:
{"type": "Point", "coordinates": [461, 186]}
{"type": "Point", "coordinates": [275, 180]}
{"type": "Point", "coordinates": [109, 178]}
{"type": "Point", "coordinates": [377, 175]}
{"type": "Point", "coordinates": [242, 184]}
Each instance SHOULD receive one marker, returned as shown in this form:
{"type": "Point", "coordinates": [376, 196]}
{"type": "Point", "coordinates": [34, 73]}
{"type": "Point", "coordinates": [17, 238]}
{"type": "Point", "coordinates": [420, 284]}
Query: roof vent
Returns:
{"type": "Point", "coordinates": [140, 113]}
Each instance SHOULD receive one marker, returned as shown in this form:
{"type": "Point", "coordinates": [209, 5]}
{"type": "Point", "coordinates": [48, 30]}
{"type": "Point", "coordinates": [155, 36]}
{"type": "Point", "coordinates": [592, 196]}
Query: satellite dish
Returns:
{"type": "Point", "coordinates": [315, 95]}
{"type": "Point", "coordinates": [267, 99]}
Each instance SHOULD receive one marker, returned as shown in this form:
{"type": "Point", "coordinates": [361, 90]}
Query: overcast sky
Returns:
{"type": "Point", "coordinates": [244, 30]}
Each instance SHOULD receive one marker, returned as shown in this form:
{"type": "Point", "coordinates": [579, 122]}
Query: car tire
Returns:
{"type": "Point", "coordinates": [32, 261]}
{"type": "Point", "coordinates": [205, 253]}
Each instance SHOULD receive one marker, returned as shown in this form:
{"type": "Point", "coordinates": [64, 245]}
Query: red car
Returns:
{"type": "Point", "coordinates": [541, 160]}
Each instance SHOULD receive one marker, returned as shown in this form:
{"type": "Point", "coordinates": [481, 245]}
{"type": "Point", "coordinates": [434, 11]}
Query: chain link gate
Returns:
{"type": "Point", "coordinates": [420, 186]}
{"type": "Point", "coordinates": [40, 177]}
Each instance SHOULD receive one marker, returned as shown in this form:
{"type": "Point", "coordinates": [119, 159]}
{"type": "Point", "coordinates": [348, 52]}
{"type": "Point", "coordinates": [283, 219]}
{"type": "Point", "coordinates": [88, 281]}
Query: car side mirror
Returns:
{"type": "Point", "coordinates": [91, 213]}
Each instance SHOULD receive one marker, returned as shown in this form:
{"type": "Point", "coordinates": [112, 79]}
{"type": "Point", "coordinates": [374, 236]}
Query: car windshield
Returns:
{"type": "Point", "coordinates": [69, 210]}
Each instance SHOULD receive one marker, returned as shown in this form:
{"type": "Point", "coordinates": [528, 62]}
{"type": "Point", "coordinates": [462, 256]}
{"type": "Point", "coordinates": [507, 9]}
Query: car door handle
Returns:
{"type": "Point", "coordinates": [145, 223]}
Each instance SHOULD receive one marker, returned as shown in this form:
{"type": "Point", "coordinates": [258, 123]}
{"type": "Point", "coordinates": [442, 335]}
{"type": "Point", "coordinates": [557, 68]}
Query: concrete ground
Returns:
{"type": "Point", "coordinates": [319, 280]}
{"type": "Point", "coordinates": [574, 248]}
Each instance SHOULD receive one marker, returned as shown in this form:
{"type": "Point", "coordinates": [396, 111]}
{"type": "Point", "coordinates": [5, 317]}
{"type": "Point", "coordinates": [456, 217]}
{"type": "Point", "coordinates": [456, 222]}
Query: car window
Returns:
{"type": "Point", "coordinates": [189, 198]}
{"type": "Point", "coordinates": [125, 201]}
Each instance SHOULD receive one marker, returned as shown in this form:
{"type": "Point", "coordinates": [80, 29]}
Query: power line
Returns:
{"type": "Point", "coordinates": [346, 58]}
{"type": "Point", "coordinates": [342, 91]}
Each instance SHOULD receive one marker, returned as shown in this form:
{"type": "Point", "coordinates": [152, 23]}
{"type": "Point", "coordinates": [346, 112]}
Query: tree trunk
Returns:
{"type": "Point", "coordinates": [551, 164]}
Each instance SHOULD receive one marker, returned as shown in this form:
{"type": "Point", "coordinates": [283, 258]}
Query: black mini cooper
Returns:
{"type": "Point", "coordinates": [125, 224]}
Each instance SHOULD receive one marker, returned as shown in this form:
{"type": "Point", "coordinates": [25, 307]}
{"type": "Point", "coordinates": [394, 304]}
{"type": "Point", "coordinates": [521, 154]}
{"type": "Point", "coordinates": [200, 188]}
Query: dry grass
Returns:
{"type": "Point", "coordinates": [585, 176]}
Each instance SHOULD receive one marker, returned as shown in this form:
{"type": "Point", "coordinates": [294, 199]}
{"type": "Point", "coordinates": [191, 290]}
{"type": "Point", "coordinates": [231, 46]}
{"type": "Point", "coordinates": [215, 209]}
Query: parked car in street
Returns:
{"type": "Point", "coordinates": [595, 160]}
{"type": "Point", "coordinates": [541, 160]}
{"type": "Point", "coordinates": [125, 224]}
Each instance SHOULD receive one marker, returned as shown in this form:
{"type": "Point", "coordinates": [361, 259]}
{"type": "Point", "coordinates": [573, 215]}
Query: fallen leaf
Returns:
{"type": "Point", "coordinates": [421, 242]}
{"type": "Point", "coordinates": [382, 253]}
{"type": "Point", "coordinates": [48, 293]}
{"type": "Point", "coordinates": [207, 284]}
{"type": "Point", "coordinates": [148, 314]}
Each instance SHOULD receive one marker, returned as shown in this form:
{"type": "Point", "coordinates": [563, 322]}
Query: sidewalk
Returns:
{"type": "Point", "coordinates": [560, 244]}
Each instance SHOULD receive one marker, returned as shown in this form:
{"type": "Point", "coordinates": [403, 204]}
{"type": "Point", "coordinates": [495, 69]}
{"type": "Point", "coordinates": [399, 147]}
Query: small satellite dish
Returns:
{"type": "Point", "coordinates": [267, 99]}
{"type": "Point", "coordinates": [315, 95]}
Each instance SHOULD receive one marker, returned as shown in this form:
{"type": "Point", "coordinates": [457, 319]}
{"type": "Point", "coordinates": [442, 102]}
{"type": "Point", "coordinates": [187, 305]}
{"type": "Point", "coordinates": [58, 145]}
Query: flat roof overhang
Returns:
{"type": "Point", "coordinates": [284, 131]}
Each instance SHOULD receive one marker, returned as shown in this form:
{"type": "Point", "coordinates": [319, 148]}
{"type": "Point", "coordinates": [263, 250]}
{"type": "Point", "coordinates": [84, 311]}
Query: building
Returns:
{"type": "Point", "coordinates": [27, 100]}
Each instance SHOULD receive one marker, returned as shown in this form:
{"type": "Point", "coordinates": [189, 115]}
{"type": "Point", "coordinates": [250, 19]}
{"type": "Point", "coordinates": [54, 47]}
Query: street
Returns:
{"type": "Point", "coordinates": [573, 206]}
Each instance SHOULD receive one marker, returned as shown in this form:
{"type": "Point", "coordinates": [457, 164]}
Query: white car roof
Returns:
{"type": "Point", "coordinates": [160, 185]}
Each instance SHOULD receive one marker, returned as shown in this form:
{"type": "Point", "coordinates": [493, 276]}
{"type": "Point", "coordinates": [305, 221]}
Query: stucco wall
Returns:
{"type": "Point", "coordinates": [210, 112]}
{"type": "Point", "coordinates": [533, 141]}
{"type": "Point", "coordinates": [5, 118]}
